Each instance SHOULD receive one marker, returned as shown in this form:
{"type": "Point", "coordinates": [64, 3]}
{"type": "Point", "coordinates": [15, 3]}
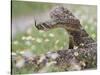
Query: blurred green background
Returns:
{"type": "Point", "coordinates": [39, 41]}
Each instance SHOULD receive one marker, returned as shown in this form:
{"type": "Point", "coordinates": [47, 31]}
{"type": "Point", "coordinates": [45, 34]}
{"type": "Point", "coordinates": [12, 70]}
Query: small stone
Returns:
{"type": "Point", "coordinates": [76, 53]}
{"type": "Point", "coordinates": [82, 44]}
{"type": "Point", "coordinates": [82, 63]}
{"type": "Point", "coordinates": [75, 47]}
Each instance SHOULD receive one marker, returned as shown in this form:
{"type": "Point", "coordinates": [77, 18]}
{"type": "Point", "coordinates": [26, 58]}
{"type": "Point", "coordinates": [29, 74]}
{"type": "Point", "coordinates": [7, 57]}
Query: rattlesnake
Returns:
{"type": "Point", "coordinates": [85, 53]}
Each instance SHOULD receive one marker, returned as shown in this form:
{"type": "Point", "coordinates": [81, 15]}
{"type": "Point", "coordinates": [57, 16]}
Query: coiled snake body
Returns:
{"type": "Point", "coordinates": [82, 48]}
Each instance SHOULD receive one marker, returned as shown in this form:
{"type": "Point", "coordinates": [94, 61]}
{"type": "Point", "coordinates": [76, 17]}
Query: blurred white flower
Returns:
{"type": "Point", "coordinates": [15, 42]}
{"type": "Point", "coordinates": [29, 38]}
{"type": "Point", "coordinates": [46, 40]}
{"type": "Point", "coordinates": [51, 35]}
{"type": "Point", "coordinates": [82, 44]}
{"type": "Point", "coordinates": [86, 27]}
{"type": "Point", "coordinates": [13, 54]}
{"type": "Point", "coordinates": [23, 38]}
{"type": "Point", "coordinates": [57, 41]}
{"type": "Point", "coordinates": [39, 40]}
{"type": "Point", "coordinates": [93, 35]}
{"type": "Point", "coordinates": [21, 52]}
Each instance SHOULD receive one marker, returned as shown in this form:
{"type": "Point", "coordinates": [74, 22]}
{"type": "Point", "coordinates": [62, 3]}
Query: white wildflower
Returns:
{"type": "Point", "coordinates": [93, 35]}
{"type": "Point", "coordinates": [23, 38]}
{"type": "Point", "coordinates": [39, 40]}
{"type": "Point", "coordinates": [86, 27]}
{"type": "Point", "coordinates": [21, 52]}
{"type": "Point", "coordinates": [51, 35]}
{"type": "Point", "coordinates": [29, 38]}
{"type": "Point", "coordinates": [13, 54]}
{"type": "Point", "coordinates": [15, 42]}
{"type": "Point", "coordinates": [46, 40]}
{"type": "Point", "coordinates": [57, 41]}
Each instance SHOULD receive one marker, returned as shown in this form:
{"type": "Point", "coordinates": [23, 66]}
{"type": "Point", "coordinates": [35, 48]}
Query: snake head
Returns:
{"type": "Point", "coordinates": [59, 17]}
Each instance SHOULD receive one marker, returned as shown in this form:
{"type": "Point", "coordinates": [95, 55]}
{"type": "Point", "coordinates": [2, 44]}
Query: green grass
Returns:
{"type": "Point", "coordinates": [40, 42]}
